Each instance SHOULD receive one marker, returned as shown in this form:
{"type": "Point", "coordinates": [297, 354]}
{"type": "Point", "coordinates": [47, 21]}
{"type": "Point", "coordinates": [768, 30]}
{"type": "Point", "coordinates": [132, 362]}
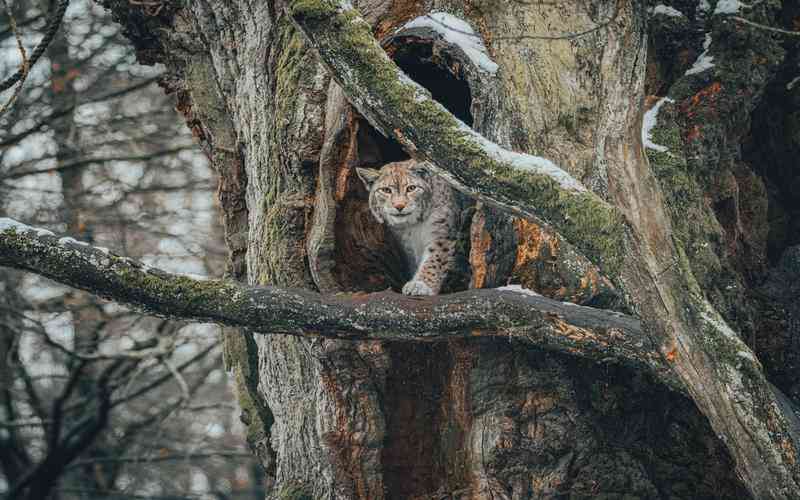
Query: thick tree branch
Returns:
{"type": "Point", "coordinates": [597, 334]}
{"type": "Point", "coordinates": [524, 185]}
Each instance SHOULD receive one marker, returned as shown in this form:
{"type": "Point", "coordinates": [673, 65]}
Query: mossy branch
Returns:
{"type": "Point", "coordinates": [601, 335]}
{"type": "Point", "coordinates": [523, 185]}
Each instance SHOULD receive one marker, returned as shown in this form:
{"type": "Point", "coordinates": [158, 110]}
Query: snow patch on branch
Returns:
{"type": "Point", "coordinates": [704, 61]}
{"type": "Point", "coordinates": [6, 224]}
{"type": "Point", "coordinates": [665, 10]}
{"type": "Point", "coordinates": [67, 239]}
{"type": "Point", "coordinates": [518, 289]}
{"type": "Point", "coordinates": [526, 162]}
{"type": "Point", "coordinates": [196, 277]}
{"type": "Point", "coordinates": [649, 122]}
{"type": "Point", "coordinates": [457, 32]}
{"type": "Point", "coordinates": [718, 325]}
{"type": "Point", "coordinates": [727, 7]}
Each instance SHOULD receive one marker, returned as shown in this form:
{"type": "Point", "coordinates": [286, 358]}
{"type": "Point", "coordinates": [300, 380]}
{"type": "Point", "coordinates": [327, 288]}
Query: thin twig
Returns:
{"type": "Point", "coordinates": [185, 395]}
{"type": "Point", "coordinates": [24, 65]}
{"type": "Point", "coordinates": [160, 458]}
{"type": "Point", "coordinates": [765, 27]}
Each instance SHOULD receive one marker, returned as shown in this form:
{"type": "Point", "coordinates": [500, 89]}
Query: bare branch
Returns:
{"type": "Point", "coordinates": [185, 394]}
{"type": "Point", "coordinates": [161, 458]}
{"type": "Point", "coordinates": [765, 27]}
{"type": "Point", "coordinates": [67, 110]}
{"type": "Point", "coordinates": [601, 335]}
{"type": "Point", "coordinates": [24, 65]}
{"type": "Point", "coordinates": [21, 24]}
{"type": "Point", "coordinates": [52, 28]}
{"type": "Point", "coordinates": [103, 159]}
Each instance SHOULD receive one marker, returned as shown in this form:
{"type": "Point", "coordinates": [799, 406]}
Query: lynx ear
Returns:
{"type": "Point", "coordinates": [368, 176]}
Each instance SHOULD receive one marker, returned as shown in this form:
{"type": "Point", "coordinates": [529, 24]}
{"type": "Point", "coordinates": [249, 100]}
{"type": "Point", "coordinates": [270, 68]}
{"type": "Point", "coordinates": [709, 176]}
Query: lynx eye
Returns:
{"type": "Point", "coordinates": [385, 190]}
{"type": "Point", "coordinates": [411, 188]}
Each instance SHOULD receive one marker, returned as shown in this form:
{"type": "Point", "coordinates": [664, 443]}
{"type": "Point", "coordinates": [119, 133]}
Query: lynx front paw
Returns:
{"type": "Point", "coordinates": [417, 288]}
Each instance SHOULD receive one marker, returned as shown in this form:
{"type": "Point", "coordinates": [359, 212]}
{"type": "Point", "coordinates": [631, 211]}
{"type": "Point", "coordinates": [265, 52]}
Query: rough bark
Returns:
{"type": "Point", "coordinates": [477, 418]}
{"type": "Point", "coordinates": [718, 368]}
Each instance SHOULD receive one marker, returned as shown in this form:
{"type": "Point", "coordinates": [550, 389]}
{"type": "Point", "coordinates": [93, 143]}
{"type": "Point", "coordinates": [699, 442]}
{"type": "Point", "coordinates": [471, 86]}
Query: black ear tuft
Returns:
{"type": "Point", "coordinates": [368, 176]}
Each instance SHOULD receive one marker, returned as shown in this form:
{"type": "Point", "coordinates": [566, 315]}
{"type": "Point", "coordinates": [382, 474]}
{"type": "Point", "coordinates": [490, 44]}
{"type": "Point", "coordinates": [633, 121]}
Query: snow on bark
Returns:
{"type": "Point", "coordinates": [649, 122]}
{"type": "Point", "coordinates": [704, 61]}
{"type": "Point", "coordinates": [6, 224]}
{"type": "Point", "coordinates": [665, 10]}
{"type": "Point", "coordinates": [457, 32]}
{"type": "Point", "coordinates": [525, 162]}
{"type": "Point", "coordinates": [727, 7]}
{"type": "Point", "coordinates": [518, 289]}
{"type": "Point", "coordinates": [67, 239]}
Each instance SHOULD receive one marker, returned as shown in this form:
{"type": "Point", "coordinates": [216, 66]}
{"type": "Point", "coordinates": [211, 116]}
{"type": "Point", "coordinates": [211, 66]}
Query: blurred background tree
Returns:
{"type": "Point", "coordinates": [91, 406]}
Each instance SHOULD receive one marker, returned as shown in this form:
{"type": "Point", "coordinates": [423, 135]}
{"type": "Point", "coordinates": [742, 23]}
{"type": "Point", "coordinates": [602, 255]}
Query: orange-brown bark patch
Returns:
{"type": "Point", "coordinates": [480, 242]}
{"type": "Point", "coordinates": [400, 13]}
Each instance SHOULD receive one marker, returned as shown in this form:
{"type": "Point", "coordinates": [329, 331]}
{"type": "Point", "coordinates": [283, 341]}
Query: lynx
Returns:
{"type": "Point", "coordinates": [419, 209]}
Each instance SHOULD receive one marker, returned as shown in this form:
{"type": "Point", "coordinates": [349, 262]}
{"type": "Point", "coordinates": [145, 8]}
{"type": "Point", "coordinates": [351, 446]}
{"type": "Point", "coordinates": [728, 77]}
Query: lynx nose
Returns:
{"type": "Point", "coordinates": [399, 205]}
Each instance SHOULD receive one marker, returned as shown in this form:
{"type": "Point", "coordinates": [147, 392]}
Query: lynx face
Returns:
{"type": "Point", "coordinates": [400, 193]}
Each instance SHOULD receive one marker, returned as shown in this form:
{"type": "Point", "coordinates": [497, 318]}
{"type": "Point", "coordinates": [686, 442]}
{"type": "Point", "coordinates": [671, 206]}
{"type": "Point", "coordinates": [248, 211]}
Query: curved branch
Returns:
{"type": "Point", "coordinates": [513, 312]}
{"type": "Point", "coordinates": [525, 185]}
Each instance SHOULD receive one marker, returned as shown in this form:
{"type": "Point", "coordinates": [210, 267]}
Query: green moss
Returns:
{"type": "Point", "coordinates": [284, 184]}
{"type": "Point", "coordinates": [256, 417]}
{"type": "Point", "coordinates": [211, 294]}
{"type": "Point", "coordinates": [293, 492]}
{"type": "Point", "coordinates": [311, 9]}
{"type": "Point", "coordinates": [695, 226]}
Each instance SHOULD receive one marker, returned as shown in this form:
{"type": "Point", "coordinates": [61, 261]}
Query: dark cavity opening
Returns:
{"type": "Point", "coordinates": [436, 70]}
{"type": "Point", "coordinates": [773, 149]}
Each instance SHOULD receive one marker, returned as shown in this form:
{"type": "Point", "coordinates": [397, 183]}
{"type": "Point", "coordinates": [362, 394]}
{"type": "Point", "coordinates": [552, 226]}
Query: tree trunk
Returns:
{"type": "Point", "coordinates": [673, 237]}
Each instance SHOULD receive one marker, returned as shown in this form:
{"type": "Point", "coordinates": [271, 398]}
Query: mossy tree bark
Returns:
{"type": "Point", "coordinates": [267, 88]}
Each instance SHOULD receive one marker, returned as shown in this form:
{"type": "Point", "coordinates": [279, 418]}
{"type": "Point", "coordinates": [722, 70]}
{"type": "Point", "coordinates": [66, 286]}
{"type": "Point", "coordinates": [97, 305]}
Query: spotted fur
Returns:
{"type": "Point", "coordinates": [419, 209]}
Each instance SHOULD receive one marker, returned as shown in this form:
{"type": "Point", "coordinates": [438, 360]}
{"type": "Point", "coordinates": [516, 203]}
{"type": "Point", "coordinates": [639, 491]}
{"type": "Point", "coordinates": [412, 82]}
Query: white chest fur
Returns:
{"type": "Point", "coordinates": [415, 240]}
